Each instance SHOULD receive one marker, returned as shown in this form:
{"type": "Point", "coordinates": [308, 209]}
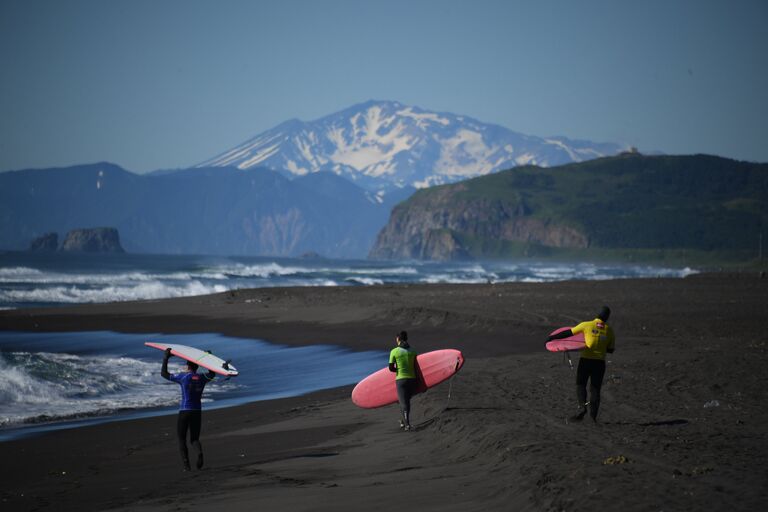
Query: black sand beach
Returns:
{"type": "Point", "coordinates": [682, 424]}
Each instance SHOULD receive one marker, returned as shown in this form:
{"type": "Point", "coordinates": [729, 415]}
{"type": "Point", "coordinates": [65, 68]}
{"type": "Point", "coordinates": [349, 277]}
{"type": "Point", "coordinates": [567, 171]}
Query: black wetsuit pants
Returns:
{"type": "Point", "coordinates": [405, 389]}
{"type": "Point", "coordinates": [592, 370]}
{"type": "Point", "coordinates": [189, 421]}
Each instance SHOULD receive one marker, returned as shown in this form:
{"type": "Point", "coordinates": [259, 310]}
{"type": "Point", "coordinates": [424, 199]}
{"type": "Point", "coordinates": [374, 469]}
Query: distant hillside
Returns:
{"type": "Point", "coordinates": [196, 211]}
{"type": "Point", "coordinates": [671, 203]}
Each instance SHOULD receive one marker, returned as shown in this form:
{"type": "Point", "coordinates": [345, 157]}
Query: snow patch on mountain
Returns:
{"type": "Point", "coordinates": [381, 145]}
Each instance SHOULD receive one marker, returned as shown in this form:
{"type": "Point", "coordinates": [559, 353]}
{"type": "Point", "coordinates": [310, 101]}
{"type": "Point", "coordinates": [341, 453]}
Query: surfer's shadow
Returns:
{"type": "Point", "coordinates": [473, 409]}
{"type": "Point", "coordinates": [660, 423]}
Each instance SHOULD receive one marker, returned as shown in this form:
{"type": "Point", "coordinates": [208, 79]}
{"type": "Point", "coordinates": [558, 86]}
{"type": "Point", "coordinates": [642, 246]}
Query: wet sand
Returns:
{"type": "Point", "coordinates": [682, 422]}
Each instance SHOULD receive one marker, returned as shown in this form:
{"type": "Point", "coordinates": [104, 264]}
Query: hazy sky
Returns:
{"type": "Point", "coordinates": [167, 84]}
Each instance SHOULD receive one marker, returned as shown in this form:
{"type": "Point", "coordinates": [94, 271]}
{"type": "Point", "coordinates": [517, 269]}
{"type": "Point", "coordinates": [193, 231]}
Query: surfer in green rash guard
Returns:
{"type": "Point", "coordinates": [190, 410]}
{"type": "Point", "coordinates": [599, 340]}
{"type": "Point", "coordinates": [402, 361]}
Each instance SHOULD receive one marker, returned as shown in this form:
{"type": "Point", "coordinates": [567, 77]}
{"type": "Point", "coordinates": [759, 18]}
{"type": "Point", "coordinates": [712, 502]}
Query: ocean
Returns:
{"type": "Point", "coordinates": [65, 380]}
{"type": "Point", "coordinates": [34, 280]}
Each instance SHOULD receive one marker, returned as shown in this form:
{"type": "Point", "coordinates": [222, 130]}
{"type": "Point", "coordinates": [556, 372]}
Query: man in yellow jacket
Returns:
{"type": "Point", "coordinates": [599, 339]}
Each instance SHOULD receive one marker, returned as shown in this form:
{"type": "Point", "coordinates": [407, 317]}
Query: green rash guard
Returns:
{"type": "Point", "coordinates": [405, 360]}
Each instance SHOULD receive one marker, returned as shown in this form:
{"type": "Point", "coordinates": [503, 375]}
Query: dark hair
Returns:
{"type": "Point", "coordinates": [604, 314]}
{"type": "Point", "coordinates": [192, 366]}
{"type": "Point", "coordinates": [403, 336]}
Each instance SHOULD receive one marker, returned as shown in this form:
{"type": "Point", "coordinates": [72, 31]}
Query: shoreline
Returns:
{"type": "Point", "coordinates": [499, 442]}
{"type": "Point", "coordinates": [357, 317]}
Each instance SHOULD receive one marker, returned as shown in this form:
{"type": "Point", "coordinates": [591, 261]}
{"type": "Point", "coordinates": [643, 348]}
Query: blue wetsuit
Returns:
{"type": "Point", "coordinates": [192, 386]}
{"type": "Point", "coordinates": [190, 410]}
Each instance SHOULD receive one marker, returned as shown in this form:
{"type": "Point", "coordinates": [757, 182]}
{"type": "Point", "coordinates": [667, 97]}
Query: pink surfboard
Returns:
{"type": "Point", "coordinates": [569, 344]}
{"type": "Point", "coordinates": [432, 368]}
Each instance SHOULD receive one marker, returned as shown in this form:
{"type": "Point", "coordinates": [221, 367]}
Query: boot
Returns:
{"type": "Point", "coordinates": [199, 450]}
{"type": "Point", "coordinates": [594, 406]}
{"type": "Point", "coordinates": [579, 415]}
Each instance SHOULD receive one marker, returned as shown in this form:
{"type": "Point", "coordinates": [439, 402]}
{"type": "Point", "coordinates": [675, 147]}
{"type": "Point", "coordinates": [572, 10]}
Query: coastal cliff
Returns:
{"type": "Point", "coordinates": [630, 203]}
{"type": "Point", "coordinates": [441, 225]}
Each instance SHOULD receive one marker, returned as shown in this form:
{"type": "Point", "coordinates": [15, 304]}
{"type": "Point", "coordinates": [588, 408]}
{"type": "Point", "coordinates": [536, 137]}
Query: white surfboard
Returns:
{"type": "Point", "coordinates": [197, 356]}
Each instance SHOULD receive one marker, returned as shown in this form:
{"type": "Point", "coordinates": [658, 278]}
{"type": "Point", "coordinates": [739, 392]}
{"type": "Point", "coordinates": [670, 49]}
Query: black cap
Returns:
{"type": "Point", "coordinates": [604, 314]}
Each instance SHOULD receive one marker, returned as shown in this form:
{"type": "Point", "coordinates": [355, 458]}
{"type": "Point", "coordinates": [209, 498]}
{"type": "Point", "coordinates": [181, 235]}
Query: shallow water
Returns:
{"type": "Point", "coordinates": [51, 380]}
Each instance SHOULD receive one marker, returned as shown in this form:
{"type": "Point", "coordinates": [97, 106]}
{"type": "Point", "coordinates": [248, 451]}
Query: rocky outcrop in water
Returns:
{"type": "Point", "coordinates": [48, 242]}
{"type": "Point", "coordinates": [92, 240]}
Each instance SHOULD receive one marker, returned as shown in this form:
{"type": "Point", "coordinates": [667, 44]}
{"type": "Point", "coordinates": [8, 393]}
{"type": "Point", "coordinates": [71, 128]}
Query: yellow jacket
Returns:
{"type": "Point", "coordinates": [598, 336]}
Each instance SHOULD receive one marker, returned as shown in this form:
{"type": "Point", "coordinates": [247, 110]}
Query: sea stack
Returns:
{"type": "Point", "coordinates": [48, 242]}
{"type": "Point", "coordinates": [92, 240]}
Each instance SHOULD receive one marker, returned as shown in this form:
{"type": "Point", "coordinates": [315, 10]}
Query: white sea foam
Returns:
{"type": "Point", "coordinates": [268, 270]}
{"type": "Point", "coordinates": [451, 279]}
{"type": "Point", "coordinates": [48, 386]}
{"type": "Point", "coordinates": [71, 294]}
{"type": "Point", "coordinates": [98, 374]}
{"type": "Point", "coordinates": [18, 271]}
{"type": "Point", "coordinates": [39, 277]}
{"type": "Point", "coordinates": [265, 270]}
{"type": "Point", "coordinates": [386, 271]}
{"type": "Point", "coordinates": [20, 284]}
{"type": "Point", "coordinates": [368, 281]}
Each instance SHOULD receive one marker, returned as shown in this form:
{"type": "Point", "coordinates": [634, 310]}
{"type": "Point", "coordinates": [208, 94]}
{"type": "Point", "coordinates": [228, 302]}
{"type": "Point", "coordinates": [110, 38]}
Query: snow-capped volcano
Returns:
{"type": "Point", "coordinates": [384, 144]}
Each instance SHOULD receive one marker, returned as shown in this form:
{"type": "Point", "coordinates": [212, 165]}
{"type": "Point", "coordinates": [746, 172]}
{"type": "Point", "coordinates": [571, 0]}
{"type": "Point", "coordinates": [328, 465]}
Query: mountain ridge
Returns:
{"type": "Point", "coordinates": [193, 211]}
{"type": "Point", "coordinates": [384, 144]}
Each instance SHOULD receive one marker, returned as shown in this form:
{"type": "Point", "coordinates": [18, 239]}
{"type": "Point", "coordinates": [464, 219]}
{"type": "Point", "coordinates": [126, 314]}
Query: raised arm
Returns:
{"type": "Point", "coordinates": [164, 370]}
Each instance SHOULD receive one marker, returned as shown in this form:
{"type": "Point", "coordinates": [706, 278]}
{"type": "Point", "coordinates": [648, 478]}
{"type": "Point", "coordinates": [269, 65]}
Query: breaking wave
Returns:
{"type": "Point", "coordinates": [41, 387]}
{"type": "Point", "coordinates": [73, 294]}
{"type": "Point", "coordinates": [142, 277]}
{"type": "Point", "coordinates": [90, 376]}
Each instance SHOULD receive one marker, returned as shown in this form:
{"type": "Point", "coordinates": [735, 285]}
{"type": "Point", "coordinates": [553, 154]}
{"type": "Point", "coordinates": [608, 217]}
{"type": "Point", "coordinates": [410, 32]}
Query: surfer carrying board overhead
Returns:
{"type": "Point", "coordinates": [599, 339]}
{"type": "Point", "coordinates": [402, 361]}
{"type": "Point", "coordinates": [190, 409]}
